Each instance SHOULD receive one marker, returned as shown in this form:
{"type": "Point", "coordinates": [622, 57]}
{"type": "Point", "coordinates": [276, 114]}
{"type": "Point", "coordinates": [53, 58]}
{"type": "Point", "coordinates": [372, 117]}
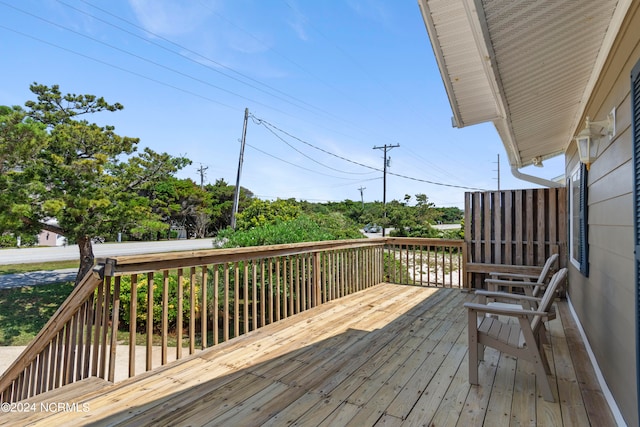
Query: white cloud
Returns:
{"type": "Point", "coordinates": [298, 21]}
{"type": "Point", "coordinates": [171, 17]}
{"type": "Point", "coordinates": [371, 9]}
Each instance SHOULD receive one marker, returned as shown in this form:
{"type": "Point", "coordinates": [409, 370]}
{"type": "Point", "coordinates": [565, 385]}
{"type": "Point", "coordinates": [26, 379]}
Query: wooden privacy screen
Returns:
{"type": "Point", "coordinates": [513, 227]}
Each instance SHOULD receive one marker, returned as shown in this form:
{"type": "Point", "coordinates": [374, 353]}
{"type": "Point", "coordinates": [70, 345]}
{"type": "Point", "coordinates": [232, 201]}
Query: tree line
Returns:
{"type": "Point", "coordinates": [56, 164]}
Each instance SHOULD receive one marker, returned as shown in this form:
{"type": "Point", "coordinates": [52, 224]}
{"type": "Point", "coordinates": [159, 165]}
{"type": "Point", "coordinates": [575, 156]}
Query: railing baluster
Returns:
{"type": "Point", "coordinates": [254, 295]}
{"type": "Point", "coordinates": [203, 309]}
{"type": "Point", "coordinates": [216, 303]}
{"type": "Point", "coordinates": [80, 343]}
{"type": "Point", "coordinates": [149, 330]}
{"type": "Point", "coordinates": [104, 327]}
{"type": "Point", "coordinates": [271, 308]}
{"type": "Point", "coordinates": [302, 285]}
{"type": "Point", "coordinates": [263, 304]}
{"type": "Point", "coordinates": [165, 317]}
{"type": "Point", "coordinates": [133, 322]}
{"type": "Point", "coordinates": [97, 321]}
{"type": "Point", "coordinates": [236, 299]}
{"type": "Point", "coordinates": [277, 290]}
{"type": "Point", "coordinates": [179, 314]}
{"type": "Point", "coordinates": [73, 348]}
{"type": "Point", "coordinates": [245, 294]}
{"type": "Point", "coordinates": [115, 319]}
{"type": "Point", "coordinates": [293, 285]}
{"type": "Point", "coordinates": [32, 377]}
{"type": "Point", "coordinates": [226, 303]}
{"type": "Point", "coordinates": [44, 366]}
{"type": "Point", "coordinates": [192, 314]}
{"type": "Point", "coordinates": [286, 274]}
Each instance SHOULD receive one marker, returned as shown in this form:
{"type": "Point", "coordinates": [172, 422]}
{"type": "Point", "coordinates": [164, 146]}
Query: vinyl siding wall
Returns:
{"type": "Point", "coordinates": [605, 301]}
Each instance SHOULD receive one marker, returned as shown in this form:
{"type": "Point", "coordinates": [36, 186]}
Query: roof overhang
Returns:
{"type": "Point", "coordinates": [527, 66]}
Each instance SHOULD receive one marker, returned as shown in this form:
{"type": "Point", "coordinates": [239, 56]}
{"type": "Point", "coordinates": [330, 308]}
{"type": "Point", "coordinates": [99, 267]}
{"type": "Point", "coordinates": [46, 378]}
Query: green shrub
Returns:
{"type": "Point", "coordinates": [141, 308]}
{"type": "Point", "coordinates": [10, 241]}
{"type": "Point", "coordinates": [263, 212]}
{"type": "Point", "coordinates": [300, 229]}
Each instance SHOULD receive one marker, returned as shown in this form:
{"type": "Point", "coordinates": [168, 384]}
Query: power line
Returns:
{"type": "Point", "coordinates": [259, 122]}
{"type": "Point", "coordinates": [142, 58]}
{"type": "Point", "coordinates": [195, 53]}
{"type": "Point", "coordinates": [166, 67]}
{"type": "Point", "coordinates": [142, 76]}
{"type": "Point", "coordinates": [266, 123]}
{"type": "Point", "coordinates": [199, 95]}
{"type": "Point", "coordinates": [345, 96]}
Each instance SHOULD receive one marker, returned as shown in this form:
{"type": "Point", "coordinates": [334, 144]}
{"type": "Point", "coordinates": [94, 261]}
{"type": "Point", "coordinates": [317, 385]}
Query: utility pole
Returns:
{"type": "Point", "coordinates": [202, 170]}
{"type": "Point", "coordinates": [385, 147]}
{"type": "Point", "coordinates": [362, 195]}
{"type": "Point", "coordinates": [236, 196]}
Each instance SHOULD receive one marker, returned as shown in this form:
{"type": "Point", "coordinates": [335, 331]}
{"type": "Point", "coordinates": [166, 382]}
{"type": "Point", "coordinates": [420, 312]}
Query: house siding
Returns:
{"type": "Point", "coordinates": [605, 301]}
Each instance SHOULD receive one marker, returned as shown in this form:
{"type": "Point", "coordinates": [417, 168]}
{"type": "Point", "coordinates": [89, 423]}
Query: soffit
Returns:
{"type": "Point", "coordinates": [527, 66]}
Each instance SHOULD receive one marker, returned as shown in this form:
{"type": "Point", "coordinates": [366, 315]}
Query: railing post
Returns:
{"type": "Point", "coordinates": [465, 260]}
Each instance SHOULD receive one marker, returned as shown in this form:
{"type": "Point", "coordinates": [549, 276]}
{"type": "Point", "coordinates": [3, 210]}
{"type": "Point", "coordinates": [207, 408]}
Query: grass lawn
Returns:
{"type": "Point", "coordinates": [37, 266]}
{"type": "Point", "coordinates": [24, 311]}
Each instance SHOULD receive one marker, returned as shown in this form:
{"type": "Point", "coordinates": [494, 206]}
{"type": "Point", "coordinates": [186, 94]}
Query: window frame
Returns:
{"type": "Point", "coordinates": [578, 219]}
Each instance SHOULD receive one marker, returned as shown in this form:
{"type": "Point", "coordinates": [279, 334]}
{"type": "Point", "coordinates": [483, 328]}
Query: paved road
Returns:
{"type": "Point", "coordinates": [60, 253]}
{"type": "Point", "coordinates": [36, 278]}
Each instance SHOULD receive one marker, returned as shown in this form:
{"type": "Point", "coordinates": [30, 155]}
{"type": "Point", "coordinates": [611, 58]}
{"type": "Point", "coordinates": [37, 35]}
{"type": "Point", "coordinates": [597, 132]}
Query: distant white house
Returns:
{"type": "Point", "coordinates": [49, 238]}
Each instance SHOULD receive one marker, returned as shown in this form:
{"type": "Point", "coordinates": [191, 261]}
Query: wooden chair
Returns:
{"type": "Point", "coordinates": [529, 284]}
{"type": "Point", "coordinates": [523, 339]}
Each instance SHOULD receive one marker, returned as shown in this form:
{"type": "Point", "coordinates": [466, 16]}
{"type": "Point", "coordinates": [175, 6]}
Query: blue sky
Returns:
{"type": "Point", "coordinates": [324, 82]}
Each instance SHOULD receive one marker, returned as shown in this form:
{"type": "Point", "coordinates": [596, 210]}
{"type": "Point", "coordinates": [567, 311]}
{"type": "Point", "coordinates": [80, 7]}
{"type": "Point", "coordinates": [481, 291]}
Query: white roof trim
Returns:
{"type": "Point", "coordinates": [528, 67]}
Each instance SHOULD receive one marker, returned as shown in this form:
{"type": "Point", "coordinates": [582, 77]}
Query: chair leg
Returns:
{"type": "Point", "coordinates": [542, 340]}
{"type": "Point", "coordinates": [473, 348]}
{"type": "Point", "coordinates": [535, 354]}
{"type": "Point", "coordinates": [543, 382]}
{"type": "Point", "coordinates": [542, 335]}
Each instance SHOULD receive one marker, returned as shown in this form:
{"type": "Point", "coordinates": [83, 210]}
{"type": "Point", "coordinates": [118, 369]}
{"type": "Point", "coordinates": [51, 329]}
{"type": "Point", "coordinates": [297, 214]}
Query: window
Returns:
{"type": "Point", "coordinates": [578, 222]}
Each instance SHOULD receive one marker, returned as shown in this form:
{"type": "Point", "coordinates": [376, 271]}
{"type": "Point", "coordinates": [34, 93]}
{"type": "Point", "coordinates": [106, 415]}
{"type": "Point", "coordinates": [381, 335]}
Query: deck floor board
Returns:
{"type": "Point", "coordinates": [389, 355]}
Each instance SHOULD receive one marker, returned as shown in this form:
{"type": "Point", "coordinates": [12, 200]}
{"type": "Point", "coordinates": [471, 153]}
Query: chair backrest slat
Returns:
{"type": "Point", "coordinates": [546, 269]}
{"type": "Point", "coordinates": [548, 297]}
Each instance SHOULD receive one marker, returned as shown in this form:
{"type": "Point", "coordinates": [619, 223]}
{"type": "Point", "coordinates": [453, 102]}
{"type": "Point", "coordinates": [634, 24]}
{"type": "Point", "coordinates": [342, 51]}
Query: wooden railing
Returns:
{"type": "Point", "coordinates": [178, 303]}
{"type": "Point", "coordinates": [424, 262]}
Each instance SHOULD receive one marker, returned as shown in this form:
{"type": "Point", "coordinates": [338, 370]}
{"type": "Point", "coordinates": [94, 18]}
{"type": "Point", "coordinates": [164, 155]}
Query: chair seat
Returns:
{"type": "Point", "coordinates": [504, 332]}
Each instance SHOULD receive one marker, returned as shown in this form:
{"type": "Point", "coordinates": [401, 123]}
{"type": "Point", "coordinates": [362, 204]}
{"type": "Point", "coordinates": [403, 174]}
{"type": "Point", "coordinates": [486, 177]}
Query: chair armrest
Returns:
{"type": "Point", "coordinates": [514, 283]}
{"type": "Point", "coordinates": [507, 295]}
{"type": "Point", "coordinates": [517, 276]}
{"type": "Point", "coordinates": [503, 311]}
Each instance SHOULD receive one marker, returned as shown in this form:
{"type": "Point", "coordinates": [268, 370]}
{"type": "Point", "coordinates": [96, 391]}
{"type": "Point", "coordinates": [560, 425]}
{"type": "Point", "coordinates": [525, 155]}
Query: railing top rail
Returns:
{"type": "Point", "coordinates": [132, 264]}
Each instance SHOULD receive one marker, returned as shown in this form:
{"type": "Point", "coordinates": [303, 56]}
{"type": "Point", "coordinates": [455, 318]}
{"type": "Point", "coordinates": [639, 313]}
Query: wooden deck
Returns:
{"type": "Point", "coordinates": [388, 355]}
